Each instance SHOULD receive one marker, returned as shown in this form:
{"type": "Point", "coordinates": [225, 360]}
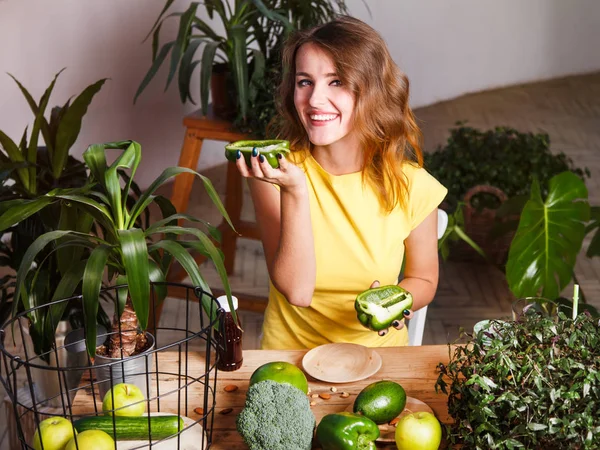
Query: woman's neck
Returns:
{"type": "Point", "coordinates": [339, 159]}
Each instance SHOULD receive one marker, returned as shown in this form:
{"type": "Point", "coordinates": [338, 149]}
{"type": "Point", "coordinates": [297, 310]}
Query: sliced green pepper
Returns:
{"type": "Point", "coordinates": [268, 149]}
{"type": "Point", "coordinates": [347, 431]}
{"type": "Point", "coordinates": [378, 308]}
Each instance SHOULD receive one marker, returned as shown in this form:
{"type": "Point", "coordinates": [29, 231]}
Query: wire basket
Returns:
{"type": "Point", "coordinates": [176, 374]}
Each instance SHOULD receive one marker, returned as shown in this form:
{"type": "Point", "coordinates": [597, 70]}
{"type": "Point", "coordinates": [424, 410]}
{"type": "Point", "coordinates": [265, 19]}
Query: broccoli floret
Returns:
{"type": "Point", "coordinates": [276, 416]}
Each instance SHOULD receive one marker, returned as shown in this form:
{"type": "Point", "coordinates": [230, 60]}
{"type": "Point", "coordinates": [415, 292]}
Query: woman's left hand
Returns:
{"type": "Point", "coordinates": [397, 324]}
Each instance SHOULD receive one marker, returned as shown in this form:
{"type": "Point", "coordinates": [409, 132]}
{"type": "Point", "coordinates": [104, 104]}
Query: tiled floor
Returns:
{"type": "Point", "coordinates": [568, 109]}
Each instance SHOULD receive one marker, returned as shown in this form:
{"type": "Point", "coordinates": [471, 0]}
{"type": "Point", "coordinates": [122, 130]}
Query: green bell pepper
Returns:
{"type": "Point", "coordinates": [378, 308]}
{"type": "Point", "coordinates": [268, 149]}
{"type": "Point", "coordinates": [347, 431]}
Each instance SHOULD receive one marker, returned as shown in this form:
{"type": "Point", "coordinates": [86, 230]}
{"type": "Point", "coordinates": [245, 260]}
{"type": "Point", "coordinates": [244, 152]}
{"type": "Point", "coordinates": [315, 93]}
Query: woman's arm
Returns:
{"type": "Point", "coordinates": [421, 270]}
{"type": "Point", "coordinates": [283, 219]}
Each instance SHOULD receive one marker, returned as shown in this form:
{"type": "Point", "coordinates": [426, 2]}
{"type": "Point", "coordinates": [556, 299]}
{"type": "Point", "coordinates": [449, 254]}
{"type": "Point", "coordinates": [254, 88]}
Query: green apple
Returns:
{"type": "Point", "coordinates": [55, 433]}
{"type": "Point", "coordinates": [418, 431]}
{"type": "Point", "coordinates": [129, 401]}
{"type": "Point", "coordinates": [281, 372]}
{"type": "Point", "coordinates": [91, 440]}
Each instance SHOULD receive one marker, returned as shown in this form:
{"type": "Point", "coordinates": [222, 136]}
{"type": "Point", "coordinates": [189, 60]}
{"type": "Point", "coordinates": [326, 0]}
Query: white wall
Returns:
{"type": "Point", "coordinates": [447, 47]}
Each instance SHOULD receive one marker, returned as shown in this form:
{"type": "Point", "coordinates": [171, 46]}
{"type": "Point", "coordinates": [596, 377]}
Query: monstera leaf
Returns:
{"type": "Point", "coordinates": [550, 234]}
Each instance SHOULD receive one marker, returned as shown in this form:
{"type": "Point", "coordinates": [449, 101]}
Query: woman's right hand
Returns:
{"type": "Point", "coordinates": [288, 176]}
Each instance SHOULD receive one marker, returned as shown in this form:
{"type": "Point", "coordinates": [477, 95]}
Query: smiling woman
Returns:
{"type": "Point", "coordinates": [350, 197]}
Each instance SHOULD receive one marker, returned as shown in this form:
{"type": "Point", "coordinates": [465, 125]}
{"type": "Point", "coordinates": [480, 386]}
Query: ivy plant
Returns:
{"type": "Point", "coordinates": [533, 384]}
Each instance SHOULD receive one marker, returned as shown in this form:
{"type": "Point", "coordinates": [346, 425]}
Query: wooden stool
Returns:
{"type": "Point", "coordinates": [198, 128]}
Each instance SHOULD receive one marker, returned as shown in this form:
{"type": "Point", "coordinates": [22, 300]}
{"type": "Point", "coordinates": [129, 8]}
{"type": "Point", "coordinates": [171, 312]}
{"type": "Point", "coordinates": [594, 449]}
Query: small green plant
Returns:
{"type": "Point", "coordinates": [533, 384]}
{"type": "Point", "coordinates": [501, 157]}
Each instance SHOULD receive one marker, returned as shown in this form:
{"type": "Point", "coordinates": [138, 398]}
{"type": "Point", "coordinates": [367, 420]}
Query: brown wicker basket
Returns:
{"type": "Point", "coordinates": [478, 225]}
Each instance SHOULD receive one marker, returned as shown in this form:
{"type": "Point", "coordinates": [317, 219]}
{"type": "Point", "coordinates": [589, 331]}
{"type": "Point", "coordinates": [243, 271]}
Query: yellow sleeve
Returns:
{"type": "Point", "coordinates": [425, 193]}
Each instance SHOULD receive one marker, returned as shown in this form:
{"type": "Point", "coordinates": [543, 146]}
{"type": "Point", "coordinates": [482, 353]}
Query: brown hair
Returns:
{"type": "Point", "coordinates": [383, 119]}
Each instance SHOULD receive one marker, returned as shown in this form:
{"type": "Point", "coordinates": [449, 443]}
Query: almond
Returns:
{"type": "Point", "coordinates": [325, 396]}
{"type": "Point", "coordinates": [225, 411]}
{"type": "Point", "coordinates": [333, 389]}
{"type": "Point", "coordinates": [199, 411]}
{"type": "Point", "coordinates": [395, 421]}
{"type": "Point", "coordinates": [344, 395]}
{"type": "Point", "coordinates": [231, 388]}
{"type": "Point", "coordinates": [314, 395]}
{"type": "Point", "coordinates": [313, 403]}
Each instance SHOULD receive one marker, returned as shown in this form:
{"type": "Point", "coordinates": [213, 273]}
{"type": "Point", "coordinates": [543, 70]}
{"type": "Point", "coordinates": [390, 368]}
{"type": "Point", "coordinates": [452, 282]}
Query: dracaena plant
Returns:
{"type": "Point", "coordinates": [119, 246]}
{"type": "Point", "coordinates": [29, 169]}
{"type": "Point", "coordinates": [254, 31]}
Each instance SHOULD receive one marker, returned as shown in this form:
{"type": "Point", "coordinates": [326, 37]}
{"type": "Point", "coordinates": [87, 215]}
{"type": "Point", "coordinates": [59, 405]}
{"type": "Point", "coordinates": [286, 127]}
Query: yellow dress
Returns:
{"type": "Point", "coordinates": [355, 243]}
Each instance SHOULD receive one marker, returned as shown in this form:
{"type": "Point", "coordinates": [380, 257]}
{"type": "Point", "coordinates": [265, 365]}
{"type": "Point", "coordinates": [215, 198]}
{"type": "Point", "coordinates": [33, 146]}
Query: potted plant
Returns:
{"type": "Point", "coordinates": [28, 170]}
{"type": "Point", "coordinates": [120, 246]}
{"type": "Point", "coordinates": [531, 384]}
{"type": "Point", "coordinates": [484, 169]}
{"type": "Point", "coordinates": [242, 62]}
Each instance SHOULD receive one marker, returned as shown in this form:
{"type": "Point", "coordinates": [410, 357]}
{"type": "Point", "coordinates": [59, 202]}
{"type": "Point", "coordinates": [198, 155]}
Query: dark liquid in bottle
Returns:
{"type": "Point", "coordinates": [230, 346]}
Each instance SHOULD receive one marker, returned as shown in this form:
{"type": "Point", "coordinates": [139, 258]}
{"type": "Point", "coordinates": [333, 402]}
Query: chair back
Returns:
{"type": "Point", "coordinates": [416, 325]}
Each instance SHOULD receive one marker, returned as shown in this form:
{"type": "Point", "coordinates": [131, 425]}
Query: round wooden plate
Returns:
{"type": "Point", "coordinates": [388, 432]}
{"type": "Point", "coordinates": [190, 438]}
{"type": "Point", "coordinates": [341, 363]}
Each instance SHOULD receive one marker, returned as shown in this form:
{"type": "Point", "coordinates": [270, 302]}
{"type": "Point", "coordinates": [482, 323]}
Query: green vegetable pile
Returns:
{"type": "Point", "coordinates": [276, 416]}
{"type": "Point", "coordinates": [534, 384]}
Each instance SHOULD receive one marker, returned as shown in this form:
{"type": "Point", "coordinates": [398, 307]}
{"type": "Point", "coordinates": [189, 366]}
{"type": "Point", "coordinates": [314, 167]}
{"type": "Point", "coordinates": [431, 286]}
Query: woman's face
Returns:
{"type": "Point", "coordinates": [324, 105]}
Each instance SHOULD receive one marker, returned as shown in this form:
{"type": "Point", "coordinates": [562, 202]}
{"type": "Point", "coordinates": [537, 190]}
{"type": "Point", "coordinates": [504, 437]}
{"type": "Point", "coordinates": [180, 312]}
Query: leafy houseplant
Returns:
{"type": "Point", "coordinates": [482, 169]}
{"type": "Point", "coordinates": [119, 246]}
{"type": "Point", "coordinates": [534, 384]}
{"type": "Point", "coordinates": [28, 170]}
{"type": "Point", "coordinates": [253, 33]}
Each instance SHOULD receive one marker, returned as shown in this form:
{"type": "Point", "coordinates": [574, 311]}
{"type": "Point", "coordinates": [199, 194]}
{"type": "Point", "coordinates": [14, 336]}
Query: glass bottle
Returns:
{"type": "Point", "coordinates": [230, 338]}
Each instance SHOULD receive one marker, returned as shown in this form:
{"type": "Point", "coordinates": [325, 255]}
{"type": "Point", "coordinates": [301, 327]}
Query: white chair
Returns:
{"type": "Point", "coordinates": [416, 325]}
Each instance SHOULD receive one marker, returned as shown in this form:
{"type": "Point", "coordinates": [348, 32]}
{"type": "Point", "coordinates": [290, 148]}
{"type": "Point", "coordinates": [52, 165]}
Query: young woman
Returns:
{"type": "Point", "coordinates": [352, 201]}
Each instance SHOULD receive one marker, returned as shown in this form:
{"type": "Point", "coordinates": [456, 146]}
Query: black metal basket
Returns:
{"type": "Point", "coordinates": [177, 375]}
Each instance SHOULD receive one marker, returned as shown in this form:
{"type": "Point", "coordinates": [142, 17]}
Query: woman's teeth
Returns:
{"type": "Point", "coordinates": [323, 117]}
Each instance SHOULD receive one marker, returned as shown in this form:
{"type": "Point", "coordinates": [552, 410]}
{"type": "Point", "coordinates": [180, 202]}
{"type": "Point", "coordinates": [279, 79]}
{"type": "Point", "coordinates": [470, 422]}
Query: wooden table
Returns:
{"type": "Point", "coordinates": [413, 367]}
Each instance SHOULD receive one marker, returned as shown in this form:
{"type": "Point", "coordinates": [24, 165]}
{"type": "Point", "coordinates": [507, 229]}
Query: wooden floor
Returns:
{"type": "Point", "coordinates": [568, 109]}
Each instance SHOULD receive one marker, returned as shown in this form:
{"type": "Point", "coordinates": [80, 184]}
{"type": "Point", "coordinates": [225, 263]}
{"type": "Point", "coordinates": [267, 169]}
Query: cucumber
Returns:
{"type": "Point", "coordinates": [132, 428]}
{"type": "Point", "coordinates": [268, 149]}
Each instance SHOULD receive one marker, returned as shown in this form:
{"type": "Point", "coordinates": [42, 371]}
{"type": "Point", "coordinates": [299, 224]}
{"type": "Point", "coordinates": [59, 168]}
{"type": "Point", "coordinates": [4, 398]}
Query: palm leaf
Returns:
{"type": "Point", "coordinates": [156, 63]}
{"type": "Point", "coordinates": [135, 260]}
{"type": "Point", "coordinates": [183, 36]}
{"type": "Point", "coordinates": [186, 68]}
{"type": "Point", "coordinates": [208, 59]}
{"type": "Point", "coordinates": [543, 252]}
{"type": "Point", "coordinates": [92, 283]}
{"type": "Point", "coordinates": [70, 125]}
{"type": "Point", "coordinates": [239, 62]}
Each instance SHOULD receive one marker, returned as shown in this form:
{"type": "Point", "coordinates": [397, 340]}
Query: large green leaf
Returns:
{"type": "Point", "coordinates": [190, 266]}
{"type": "Point", "coordinates": [206, 247]}
{"type": "Point", "coordinates": [166, 175]}
{"type": "Point", "coordinates": [208, 59]}
{"type": "Point", "coordinates": [92, 283]}
{"type": "Point", "coordinates": [158, 20]}
{"type": "Point", "coordinates": [239, 62]}
{"type": "Point", "coordinates": [186, 68]}
{"type": "Point", "coordinates": [135, 260]}
{"type": "Point", "coordinates": [70, 125]}
{"type": "Point", "coordinates": [164, 51]}
{"type": "Point", "coordinates": [183, 37]}
{"type": "Point", "coordinates": [550, 234]}
{"type": "Point", "coordinates": [12, 150]}
{"type": "Point", "coordinates": [22, 211]}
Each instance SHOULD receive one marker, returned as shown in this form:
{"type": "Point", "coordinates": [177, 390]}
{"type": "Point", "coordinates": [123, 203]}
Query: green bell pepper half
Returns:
{"type": "Point", "coordinates": [347, 431]}
{"type": "Point", "coordinates": [268, 149]}
{"type": "Point", "coordinates": [379, 307]}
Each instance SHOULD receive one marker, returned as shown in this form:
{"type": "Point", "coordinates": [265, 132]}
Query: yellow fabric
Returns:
{"type": "Point", "coordinates": [355, 244]}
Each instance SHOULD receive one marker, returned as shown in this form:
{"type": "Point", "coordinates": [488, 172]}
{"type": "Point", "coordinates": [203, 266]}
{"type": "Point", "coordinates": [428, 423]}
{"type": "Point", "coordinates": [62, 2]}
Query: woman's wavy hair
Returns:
{"type": "Point", "coordinates": [383, 119]}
